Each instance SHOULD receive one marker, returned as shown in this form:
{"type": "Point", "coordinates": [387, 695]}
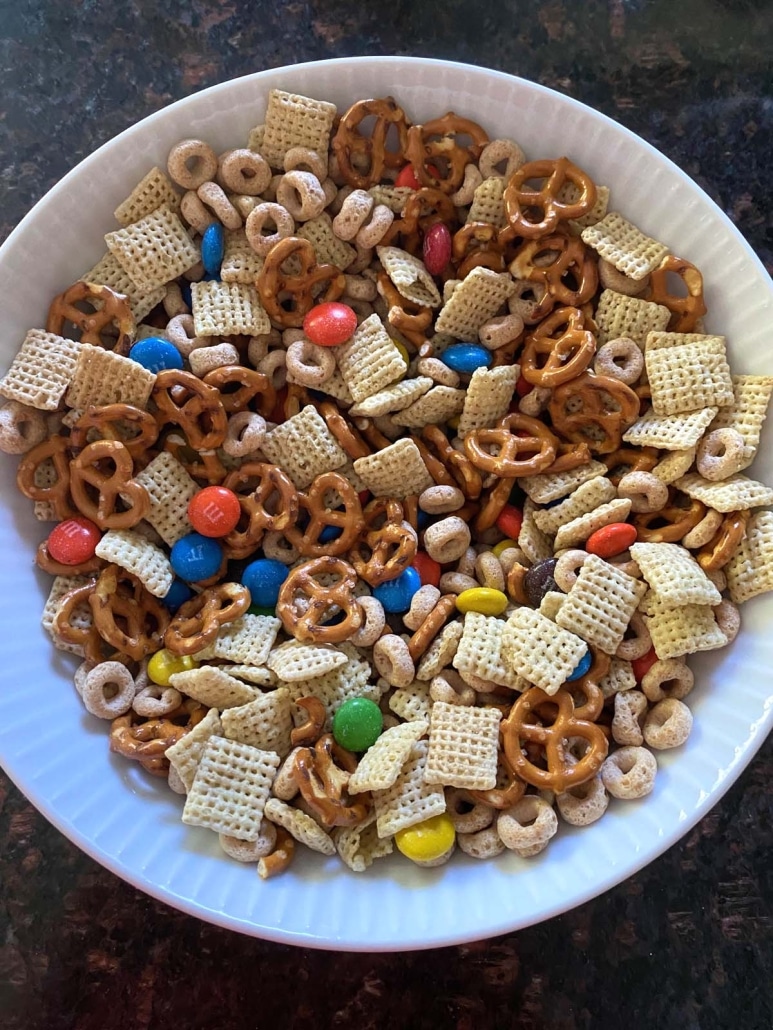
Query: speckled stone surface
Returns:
{"type": "Point", "coordinates": [688, 942]}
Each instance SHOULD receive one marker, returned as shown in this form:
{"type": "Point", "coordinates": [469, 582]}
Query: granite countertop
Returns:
{"type": "Point", "coordinates": [684, 944]}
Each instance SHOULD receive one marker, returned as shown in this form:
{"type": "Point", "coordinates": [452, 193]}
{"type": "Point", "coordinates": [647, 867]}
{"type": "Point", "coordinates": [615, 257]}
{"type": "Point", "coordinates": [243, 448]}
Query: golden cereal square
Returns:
{"type": "Point", "coordinates": [463, 746]}
{"type": "Point", "coordinates": [213, 687]}
{"type": "Point", "coordinates": [600, 604]}
{"type": "Point", "coordinates": [170, 489]}
{"type": "Point", "coordinates": [380, 766]}
{"type": "Point", "coordinates": [552, 486]}
{"type": "Point", "coordinates": [688, 378]}
{"type": "Point", "coordinates": [186, 753]}
{"type": "Point", "coordinates": [480, 652]}
{"type": "Point", "coordinates": [240, 262]}
{"type": "Point", "coordinates": [304, 447]}
{"type": "Point", "coordinates": [108, 271]}
{"type": "Point", "coordinates": [674, 575]}
{"type": "Point", "coordinates": [294, 121]}
{"type": "Point", "coordinates": [41, 371]}
{"type": "Point", "coordinates": [627, 248]}
{"type": "Point", "coordinates": [747, 413]}
{"type": "Point", "coordinates": [328, 249]}
{"type": "Point", "coordinates": [488, 204]}
{"type": "Point", "coordinates": [103, 377]}
{"type": "Point", "coordinates": [227, 309]}
{"type": "Point", "coordinates": [488, 397]}
{"type": "Point", "coordinates": [143, 559]}
{"type": "Point", "coordinates": [410, 799]}
{"type": "Point", "coordinates": [410, 276]}
{"type": "Point", "coordinates": [476, 299]}
{"type": "Point", "coordinates": [395, 471]}
{"type": "Point", "coordinates": [437, 406]}
{"type": "Point", "coordinates": [736, 493]}
{"type": "Point", "coordinates": [369, 361]}
{"type": "Point", "coordinates": [750, 570]}
{"type": "Point", "coordinates": [669, 432]}
{"type": "Point", "coordinates": [539, 651]}
{"type": "Point", "coordinates": [154, 250]}
{"type": "Point", "coordinates": [619, 315]}
{"type": "Point", "coordinates": [264, 723]}
{"type": "Point", "coordinates": [153, 190]}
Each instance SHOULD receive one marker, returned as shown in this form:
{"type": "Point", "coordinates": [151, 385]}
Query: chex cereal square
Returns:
{"type": "Point", "coordinates": [476, 299]}
{"type": "Point", "coordinates": [410, 276]}
{"type": "Point", "coordinates": [41, 371]}
{"type": "Point", "coordinates": [380, 766]}
{"type": "Point", "coordinates": [410, 799]}
{"type": "Point", "coordinates": [674, 575]}
{"type": "Point", "coordinates": [619, 315]}
{"type": "Point", "coordinates": [295, 121]}
{"type": "Point", "coordinates": [488, 397]}
{"type": "Point", "coordinates": [627, 248]}
{"type": "Point", "coordinates": [154, 250]}
{"type": "Point", "coordinates": [226, 309]}
{"type": "Point", "coordinates": [437, 406]}
{"type": "Point", "coordinates": [688, 378]}
{"type": "Point", "coordinates": [463, 746]}
{"type": "Point", "coordinates": [600, 604]}
{"type": "Point", "coordinates": [328, 249]}
{"type": "Point", "coordinates": [102, 377]}
{"type": "Point", "coordinates": [240, 262]}
{"type": "Point", "coordinates": [397, 471]}
{"type": "Point", "coordinates": [750, 570]}
{"type": "Point", "coordinates": [539, 651]}
{"type": "Point", "coordinates": [359, 846]}
{"type": "Point", "coordinates": [213, 687]}
{"type": "Point", "coordinates": [265, 723]}
{"type": "Point", "coordinates": [153, 190]}
{"type": "Point", "coordinates": [170, 489]}
{"type": "Point", "coordinates": [751, 396]}
{"type": "Point", "coordinates": [186, 753]}
{"type": "Point", "coordinates": [299, 825]}
{"type": "Point", "coordinates": [108, 271]}
{"type": "Point", "coordinates": [304, 447]}
{"type": "Point", "coordinates": [133, 552]}
{"type": "Point", "coordinates": [370, 361]}
{"type": "Point", "coordinates": [479, 651]}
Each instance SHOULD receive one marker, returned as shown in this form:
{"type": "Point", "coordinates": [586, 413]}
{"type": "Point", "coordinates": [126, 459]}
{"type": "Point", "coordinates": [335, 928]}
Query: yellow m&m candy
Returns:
{"type": "Point", "coordinates": [503, 545]}
{"type": "Point", "coordinates": [485, 600]}
{"type": "Point", "coordinates": [427, 841]}
{"type": "Point", "coordinates": [164, 664]}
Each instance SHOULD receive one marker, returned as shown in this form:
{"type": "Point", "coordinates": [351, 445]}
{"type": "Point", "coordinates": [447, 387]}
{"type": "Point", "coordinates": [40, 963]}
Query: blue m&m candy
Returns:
{"type": "Point", "coordinates": [396, 595]}
{"type": "Point", "coordinates": [156, 354]}
{"type": "Point", "coordinates": [195, 557]}
{"type": "Point", "coordinates": [466, 357]}
{"type": "Point", "coordinates": [213, 248]}
{"type": "Point", "coordinates": [177, 594]}
{"type": "Point", "coordinates": [582, 667]}
{"type": "Point", "coordinates": [263, 578]}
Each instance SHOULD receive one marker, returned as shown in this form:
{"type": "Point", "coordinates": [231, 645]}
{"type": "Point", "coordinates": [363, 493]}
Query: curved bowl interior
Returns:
{"type": "Point", "coordinates": [57, 754]}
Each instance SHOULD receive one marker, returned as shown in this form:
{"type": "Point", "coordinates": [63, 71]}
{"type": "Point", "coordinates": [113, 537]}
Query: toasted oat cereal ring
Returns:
{"type": "Point", "coordinates": [490, 574]}
{"type": "Point", "coordinates": [638, 645]}
{"type": "Point", "coordinates": [438, 500]}
{"type": "Point", "coordinates": [353, 214]}
{"type": "Point", "coordinates": [629, 773]}
{"type": "Point", "coordinates": [668, 724]}
{"type": "Point", "coordinates": [630, 709]}
{"type": "Point", "coordinates": [670, 524]}
{"type": "Point", "coordinates": [180, 331]}
{"type": "Point", "coordinates": [309, 364]}
{"type": "Point", "coordinates": [497, 152]}
{"type": "Point", "coordinates": [245, 433]}
{"type": "Point", "coordinates": [214, 197]}
{"type": "Point", "coordinates": [620, 359]}
{"type": "Point", "coordinates": [466, 192]}
{"type": "Point", "coordinates": [468, 816]}
{"type": "Point", "coordinates": [721, 453]}
{"type": "Point", "coordinates": [728, 618]}
{"type": "Point", "coordinates": [392, 658]}
{"type": "Point", "coordinates": [252, 850]}
{"type": "Point", "coordinates": [376, 227]}
{"type": "Point", "coordinates": [705, 531]}
{"type": "Point", "coordinates": [486, 843]}
{"type": "Point", "coordinates": [447, 540]}
{"type": "Point", "coordinates": [717, 552]}
{"type": "Point", "coordinates": [302, 195]}
{"type": "Point", "coordinates": [155, 702]}
{"type": "Point", "coordinates": [191, 162]}
{"type": "Point", "coordinates": [108, 690]}
{"type": "Point", "coordinates": [196, 213]}
{"type": "Point", "coordinates": [262, 215]}
{"type": "Point", "coordinates": [373, 622]}
{"type": "Point", "coordinates": [448, 686]}
{"type": "Point", "coordinates": [530, 822]}
{"type": "Point", "coordinates": [21, 428]}
{"type": "Point", "coordinates": [520, 198]}
{"type": "Point", "coordinates": [668, 677]}
{"type": "Point", "coordinates": [583, 805]}
{"type": "Point", "coordinates": [612, 279]}
{"type": "Point", "coordinates": [567, 566]}
{"type": "Point", "coordinates": [243, 171]}
{"type": "Point", "coordinates": [646, 492]}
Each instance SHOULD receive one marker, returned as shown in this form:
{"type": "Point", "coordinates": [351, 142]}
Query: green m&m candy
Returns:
{"type": "Point", "coordinates": [357, 724]}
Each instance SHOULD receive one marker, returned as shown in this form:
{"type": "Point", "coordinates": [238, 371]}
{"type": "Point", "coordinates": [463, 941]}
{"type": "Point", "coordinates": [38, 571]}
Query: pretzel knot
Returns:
{"type": "Point", "coordinates": [346, 435]}
{"type": "Point", "coordinates": [477, 244]}
{"type": "Point", "coordinates": [563, 264]}
{"type": "Point", "coordinates": [116, 422]}
{"type": "Point", "coordinates": [322, 783]}
{"type": "Point", "coordinates": [595, 410]}
{"type": "Point", "coordinates": [289, 296]}
{"type": "Point", "coordinates": [187, 401]}
{"type": "Point", "coordinates": [721, 548]}
{"type": "Point", "coordinates": [126, 615]}
{"type": "Point", "coordinates": [269, 503]}
{"type": "Point", "coordinates": [52, 454]}
{"type": "Point", "coordinates": [362, 159]}
{"type": "Point", "coordinates": [406, 316]}
{"type": "Point", "coordinates": [306, 604]}
{"type": "Point", "coordinates": [93, 310]}
{"type": "Point", "coordinates": [392, 545]}
{"type": "Point", "coordinates": [685, 310]}
{"type": "Point", "coordinates": [423, 209]}
{"type": "Point", "coordinates": [506, 795]}
{"type": "Point", "coordinates": [671, 523]}
{"type": "Point", "coordinates": [431, 626]}
{"type": "Point", "coordinates": [549, 721]}
{"type": "Point", "coordinates": [521, 199]}
{"type": "Point", "coordinates": [347, 518]}
{"type": "Point", "coordinates": [146, 740]}
{"type": "Point", "coordinates": [204, 464]}
{"type": "Point", "coordinates": [83, 635]}
{"type": "Point", "coordinates": [559, 349]}
{"type": "Point", "coordinates": [198, 621]}
{"type": "Point", "coordinates": [436, 147]}
{"type": "Point", "coordinates": [446, 465]}
{"type": "Point", "coordinates": [86, 471]}
{"type": "Point", "coordinates": [239, 386]}
{"type": "Point", "coordinates": [316, 717]}
{"type": "Point", "coordinates": [537, 445]}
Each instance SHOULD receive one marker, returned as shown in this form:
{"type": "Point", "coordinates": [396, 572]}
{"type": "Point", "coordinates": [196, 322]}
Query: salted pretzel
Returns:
{"type": "Point", "coordinates": [188, 402]}
{"type": "Point", "coordinates": [685, 311]}
{"type": "Point", "coordinates": [199, 620]}
{"type": "Point", "coordinates": [671, 523]}
{"type": "Point", "coordinates": [322, 783]}
{"type": "Point", "coordinates": [44, 561]}
{"type": "Point", "coordinates": [258, 485]}
{"type": "Point", "coordinates": [146, 740]}
{"type": "Point", "coordinates": [204, 464]}
{"type": "Point", "coordinates": [492, 502]}
{"type": "Point", "coordinates": [348, 519]}
{"type": "Point", "coordinates": [406, 316]}
{"type": "Point", "coordinates": [475, 245]}
{"type": "Point", "coordinates": [346, 435]}
{"type": "Point", "coordinates": [431, 626]}
{"type": "Point", "coordinates": [87, 470]}
{"type": "Point", "coordinates": [392, 544]}
{"type": "Point", "coordinates": [436, 452]}
{"type": "Point", "coordinates": [241, 388]}
{"type": "Point", "coordinates": [559, 349]}
{"type": "Point", "coordinates": [423, 209]}
{"type": "Point", "coordinates": [305, 603]}
{"type": "Point", "coordinates": [436, 147]}
{"type": "Point", "coordinates": [83, 635]}
{"type": "Point", "coordinates": [128, 617]}
{"type": "Point", "coordinates": [562, 263]}
{"type": "Point", "coordinates": [289, 296]}
{"type": "Point", "coordinates": [509, 789]}
{"type": "Point", "coordinates": [630, 459]}
{"type": "Point", "coordinates": [513, 436]}
{"type": "Point", "coordinates": [54, 450]}
{"type": "Point", "coordinates": [723, 545]}
{"type": "Point", "coordinates": [570, 456]}
{"type": "Point", "coordinates": [115, 422]}
{"type": "Point", "coordinates": [310, 731]}
{"type": "Point", "coordinates": [549, 721]}
{"type": "Point", "coordinates": [520, 199]}
{"type": "Point", "coordinates": [595, 410]}
{"type": "Point", "coordinates": [362, 159]}
{"type": "Point", "coordinates": [93, 310]}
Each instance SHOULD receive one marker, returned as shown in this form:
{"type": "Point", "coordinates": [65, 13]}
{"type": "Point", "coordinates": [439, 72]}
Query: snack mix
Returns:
{"type": "Point", "coordinates": [394, 479]}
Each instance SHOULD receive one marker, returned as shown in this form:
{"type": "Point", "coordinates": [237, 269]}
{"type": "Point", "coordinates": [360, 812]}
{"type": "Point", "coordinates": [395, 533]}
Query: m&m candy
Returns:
{"type": "Point", "coordinates": [74, 540]}
{"type": "Point", "coordinates": [330, 323]}
{"type": "Point", "coordinates": [395, 595]}
{"type": "Point", "coordinates": [213, 248]}
{"type": "Point", "coordinates": [156, 354]}
{"type": "Point", "coordinates": [357, 724]}
{"type": "Point", "coordinates": [466, 357]}
{"type": "Point", "coordinates": [214, 511]}
{"type": "Point", "coordinates": [263, 578]}
{"type": "Point", "coordinates": [195, 557]}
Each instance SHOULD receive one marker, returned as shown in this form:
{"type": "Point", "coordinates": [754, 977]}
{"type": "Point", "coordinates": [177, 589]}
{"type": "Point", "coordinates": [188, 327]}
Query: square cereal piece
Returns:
{"type": "Point", "coordinates": [380, 766]}
{"type": "Point", "coordinates": [539, 651]}
{"type": "Point", "coordinates": [550, 603]}
{"type": "Point", "coordinates": [150, 193]}
{"type": "Point", "coordinates": [440, 652]}
{"type": "Point", "coordinates": [750, 570]}
{"type": "Point", "coordinates": [61, 586]}
{"type": "Point", "coordinates": [329, 250]}
{"type": "Point", "coordinates": [230, 788]}
{"type": "Point", "coordinates": [683, 630]}
{"type": "Point", "coordinates": [669, 432]}
{"type": "Point", "coordinates": [359, 846]}
{"type": "Point", "coordinates": [488, 204]}
{"type": "Point", "coordinates": [410, 277]}
{"type": "Point", "coordinates": [299, 825]}
{"type": "Point", "coordinates": [304, 447]}
{"type": "Point", "coordinates": [370, 361]}
{"type": "Point", "coordinates": [265, 722]}
{"type": "Point", "coordinates": [410, 799]}
{"type": "Point", "coordinates": [618, 315]}
{"type": "Point", "coordinates": [488, 397]}
{"type": "Point", "coordinates": [227, 309]}
{"type": "Point", "coordinates": [247, 640]}
{"type": "Point", "coordinates": [103, 377]}
{"type": "Point", "coordinates": [171, 489]}
{"type": "Point", "coordinates": [240, 262]}
{"type": "Point", "coordinates": [213, 687]}
{"type": "Point", "coordinates": [618, 241]}
{"type": "Point", "coordinates": [476, 299]}
{"type": "Point", "coordinates": [185, 755]}
{"type": "Point", "coordinates": [688, 378]}
{"type": "Point", "coordinates": [437, 406]}
{"type": "Point", "coordinates": [41, 371]}
{"type": "Point", "coordinates": [255, 138]}
{"type": "Point", "coordinates": [395, 471]}
{"type": "Point", "coordinates": [393, 398]}
{"type": "Point", "coordinates": [335, 687]}
{"type": "Point", "coordinates": [532, 541]}
{"type": "Point", "coordinates": [295, 121]}
{"type": "Point", "coordinates": [294, 661]}
{"type": "Point", "coordinates": [154, 250]}
{"type": "Point", "coordinates": [751, 396]}
{"type": "Point", "coordinates": [600, 604]}
{"type": "Point", "coordinates": [479, 652]}
{"type": "Point", "coordinates": [674, 575]}
{"type": "Point", "coordinates": [578, 530]}
{"type": "Point", "coordinates": [586, 498]}
{"type": "Point", "coordinates": [393, 197]}
{"type": "Point", "coordinates": [135, 553]}
{"type": "Point", "coordinates": [674, 465]}
{"type": "Point", "coordinates": [666, 341]}
{"type": "Point", "coordinates": [551, 486]}
{"type": "Point", "coordinates": [108, 271]}
{"type": "Point", "coordinates": [257, 674]}
{"type": "Point", "coordinates": [736, 493]}
{"type": "Point", "coordinates": [412, 703]}
{"type": "Point", "coordinates": [619, 678]}
{"type": "Point", "coordinates": [463, 746]}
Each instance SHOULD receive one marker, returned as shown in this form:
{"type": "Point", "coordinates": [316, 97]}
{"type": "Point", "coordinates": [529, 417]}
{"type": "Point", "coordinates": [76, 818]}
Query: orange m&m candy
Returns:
{"type": "Point", "coordinates": [214, 511]}
{"type": "Point", "coordinates": [427, 568]}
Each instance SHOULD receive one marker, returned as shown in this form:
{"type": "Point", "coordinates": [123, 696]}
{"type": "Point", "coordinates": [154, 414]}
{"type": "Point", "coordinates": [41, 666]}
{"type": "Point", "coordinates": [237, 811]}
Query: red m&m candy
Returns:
{"type": "Point", "coordinates": [329, 324]}
{"type": "Point", "coordinates": [214, 511]}
{"type": "Point", "coordinates": [510, 521]}
{"type": "Point", "coordinates": [427, 568]}
{"type": "Point", "coordinates": [74, 540]}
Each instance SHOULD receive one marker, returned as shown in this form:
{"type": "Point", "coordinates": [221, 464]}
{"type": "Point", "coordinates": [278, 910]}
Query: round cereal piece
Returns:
{"type": "Point", "coordinates": [214, 197]}
{"type": "Point", "coordinates": [728, 618]}
{"type": "Point", "coordinates": [308, 364]}
{"type": "Point", "coordinates": [705, 531]}
{"type": "Point", "coordinates": [500, 331]}
{"type": "Point", "coordinates": [629, 773]}
{"type": "Point", "coordinates": [468, 816]}
{"type": "Point", "coordinates": [181, 332]}
{"type": "Point", "coordinates": [302, 195]}
{"type": "Point", "coordinates": [244, 172]}
{"type": "Point", "coordinates": [639, 644]}
{"type": "Point", "coordinates": [620, 359]}
{"type": "Point", "coordinates": [360, 288]}
{"type": "Point", "coordinates": [195, 213]}
{"type": "Point", "coordinates": [456, 583]}
{"type": "Point", "coordinates": [526, 300]}
{"type": "Point", "coordinates": [720, 454]}
{"type": "Point", "coordinates": [393, 660]}
{"type": "Point", "coordinates": [278, 547]}
{"type": "Point", "coordinates": [245, 433]}
{"type": "Point", "coordinates": [108, 690]}
{"type": "Point", "coordinates": [250, 850]}
{"type": "Point", "coordinates": [512, 556]}
{"type": "Point", "coordinates": [262, 216]}
{"type": "Point", "coordinates": [274, 365]}
{"type": "Point", "coordinates": [630, 709]}
{"type": "Point", "coordinates": [612, 279]}
{"type": "Point", "coordinates": [422, 604]}
{"type": "Point", "coordinates": [667, 677]}
{"type": "Point", "coordinates": [530, 822]}
{"type": "Point", "coordinates": [21, 428]}
{"type": "Point", "coordinates": [646, 492]}
{"type": "Point", "coordinates": [466, 192]}
{"type": "Point", "coordinates": [485, 843]}
{"type": "Point", "coordinates": [244, 205]}
{"type": "Point", "coordinates": [567, 567]}
{"type": "Point", "coordinates": [500, 152]}
{"type": "Point", "coordinates": [175, 782]}
{"type": "Point", "coordinates": [488, 571]}
{"type": "Point", "coordinates": [668, 724]}
{"type": "Point", "coordinates": [536, 401]}
{"type": "Point", "coordinates": [207, 359]}
{"type": "Point", "coordinates": [438, 372]}
{"type": "Point", "coordinates": [80, 676]}
{"type": "Point", "coordinates": [437, 500]}
{"type": "Point", "coordinates": [376, 228]}
{"type": "Point", "coordinates": [191, 162]}
{"type": "Point", "coordinates": [355, 209]}
{"type": "Point", "coordinates": [447, 540]}
{"type": "Point", "coordinates": [449, 686]}
{"type": "Point", "coordinates": [718, 578]}
{"type": "Point", "coordinates": [174, 303]}
{"type": "Point", "coordinates": [373, 622]}
{"type": "Point", "coordinates": [306, 160]}
{"type": "Point", "coordinates": [154, 701]}
{"type": "Point", "coordinates": [585, 804]}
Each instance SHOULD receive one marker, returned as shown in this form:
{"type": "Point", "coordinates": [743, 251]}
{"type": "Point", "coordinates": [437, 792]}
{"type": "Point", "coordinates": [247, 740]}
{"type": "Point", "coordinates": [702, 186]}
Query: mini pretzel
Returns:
{"type": "Point", "coordinates": [549, 721]}
{"type": "Point", "coordinates": [718, 551]}
{"type": "Point", "coordinates": [431, 626]}
{"type": "Point", "coordinates": [392, 547]}
{"type": "Point", "coordinates": [185, 400]}
{"type": "Point", "coordinates": [362, 159]}
{"type": "Point", "coordinates": [438, 454]}
{"type": "Point", "coordinates": [241, 388]}
{"type": "Point", "coordinates": [280, 858]}
{"type": "Point", "coordinates": [562, 263]}
{"type": "Point", "coordinates": [57, 494]}
{"type": "Point", "coordinates": [310, 731]}
{"type": "Point", "coordinates": [86, 470]}
{"type": "Point", "coordinates": [520, 199]}
{"type": "Point", "coordinates": [147, 740]}
{"type": "Point", "coordinates": [346, 435]}
{"type": "Point", "coordinates": [349, 521]}
{"type": "Point", "coordinates": [595, 410]}
{"type": "Point", "coordinates": [44, 561]}
{"type": "Point", "coordinates": [111, 421]}
{"type": "Point", "coordinates": [501, 797]}
{"type": "Point", "coordinates": [685, 311]}
{"type": "Point", "coordinates": [322, 784]}
{"type": "Point", "coordinates": [630, 459]}
{"type": "Point", "coordinates": [198, 620]}
{"type": "Point", "coordinates": [406, 316]}
{"type": "Point", "coordinates": [305, 603]}
{"type": "Point", "coordinates": [537, 443]}
{"type": "Point", "coordinates": [108, 312]}
{"type": "Point", "coordinates": [204, 464]}
{"type": "Point", "coordinates": [288, 297]}
{"type": "Point", "coordinates": [671, 523]}
{"type": "Point", "coordinates": [477, 244]}
{"type": "Point", "coordinates": [565, 345]}
{"type": "Point", "coordinates": [128, 617]}
{"type": "Point", "coordinates": [85, 637]}
{"type": "Point", "coordinates": [437, 142]}
{"type": "Point", "coordinates": [264, 483]}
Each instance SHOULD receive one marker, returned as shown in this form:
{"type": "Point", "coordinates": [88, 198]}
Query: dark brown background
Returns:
{"type": "Point", "coordinates": [687, 943]}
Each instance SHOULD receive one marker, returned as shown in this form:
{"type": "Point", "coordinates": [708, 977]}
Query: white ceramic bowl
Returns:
{"type": "Point", "coordinates": [57, 754]}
